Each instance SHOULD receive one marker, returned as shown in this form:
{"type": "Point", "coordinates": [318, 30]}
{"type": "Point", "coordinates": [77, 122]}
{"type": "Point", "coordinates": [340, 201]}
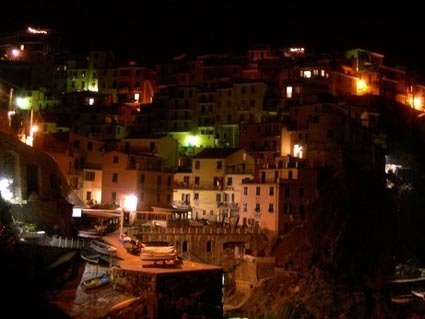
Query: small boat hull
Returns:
{"type": "Point", "coordinates": [103, 248]}
{"type": "Point", "coordinates": [96, 282]}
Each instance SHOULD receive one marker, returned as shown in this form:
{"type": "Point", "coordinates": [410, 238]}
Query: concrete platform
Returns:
{"type": "Point", "coordinates": [127, 261]}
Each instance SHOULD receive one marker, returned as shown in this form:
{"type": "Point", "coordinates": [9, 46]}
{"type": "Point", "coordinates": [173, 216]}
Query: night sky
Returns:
{"type": "Point", "coordinates": [154, 31]}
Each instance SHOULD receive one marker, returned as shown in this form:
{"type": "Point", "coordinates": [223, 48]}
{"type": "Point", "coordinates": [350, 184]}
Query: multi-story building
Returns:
{"type": "Point", "coordinates": [212, 188]}
{"type": "Point", "coordinates": [278, 197]}
{"type": "Point", "coordinates": [163, 146]}
{"type": "Point", "coordinates": [133, 174]}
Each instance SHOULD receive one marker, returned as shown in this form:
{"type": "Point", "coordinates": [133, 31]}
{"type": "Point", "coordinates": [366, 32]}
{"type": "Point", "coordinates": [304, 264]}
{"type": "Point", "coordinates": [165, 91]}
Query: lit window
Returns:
{"type": "Point", "coordinates": [136, 97]}
{"type": "Point", "coordinates": [289, 92]}
{"type": "Point", "coordinates": [298, 151]}
{"type": "Point", "coordinates": [91, 101]}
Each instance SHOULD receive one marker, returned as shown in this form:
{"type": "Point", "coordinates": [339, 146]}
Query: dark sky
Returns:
{"type": "Point", "coordinates": [156, 30]}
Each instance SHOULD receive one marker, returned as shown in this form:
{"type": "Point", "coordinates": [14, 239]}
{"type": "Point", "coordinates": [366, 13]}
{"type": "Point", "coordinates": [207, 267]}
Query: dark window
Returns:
{"type": "Point", "coordinates": [219, 164]}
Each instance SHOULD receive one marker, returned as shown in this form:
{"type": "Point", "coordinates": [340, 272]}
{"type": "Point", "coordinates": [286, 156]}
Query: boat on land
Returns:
{"type": "Point", "coordinates": [95, 282]}
{"type": "Point", "coordinates": [419, 293]}
{"type": "Point", "coordinates": [90, 256]}
{"type": "Point", "coordinates": [402, 299]}
{"type": "Point", "coordinates": [103, 248]}
{"type": "Point", "coordinates": [158, 251]}
{"type": "Point", "coordinates": [123, 304]}
{"type": "Point", "coordinates": [88, 233]}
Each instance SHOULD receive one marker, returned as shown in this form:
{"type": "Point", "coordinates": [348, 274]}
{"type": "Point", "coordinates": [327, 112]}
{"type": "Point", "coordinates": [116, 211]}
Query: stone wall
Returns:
{"type": "Point", "coordinates": [182, 294]}
{"type": "Point", "coordinates": [203, 245]}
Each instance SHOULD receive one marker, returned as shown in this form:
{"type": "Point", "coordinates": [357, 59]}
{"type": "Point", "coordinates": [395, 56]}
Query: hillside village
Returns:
{"type": "Point", "coordinates": [281, 141]}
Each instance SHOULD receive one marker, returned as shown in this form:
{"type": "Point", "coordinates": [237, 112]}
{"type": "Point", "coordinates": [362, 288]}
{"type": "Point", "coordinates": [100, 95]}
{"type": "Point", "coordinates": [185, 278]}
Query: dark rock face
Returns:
{"type": "Point", "coordinates": [333, 265]}
{"type": "Point", "coordinates": [26, 281]}
{"type": "Point", "coordinates": [40, 191]}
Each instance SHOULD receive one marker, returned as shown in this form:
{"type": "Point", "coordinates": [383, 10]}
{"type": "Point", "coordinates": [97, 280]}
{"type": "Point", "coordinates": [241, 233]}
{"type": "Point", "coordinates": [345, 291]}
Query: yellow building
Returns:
{"type": "Point", "coordinates": [212, 188]}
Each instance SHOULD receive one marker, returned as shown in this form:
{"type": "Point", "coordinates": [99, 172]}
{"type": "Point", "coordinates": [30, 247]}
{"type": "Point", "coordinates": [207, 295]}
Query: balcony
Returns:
{"type": "Point", "coordinates": [232, 206]}
{"type": "Point", "coordinates": [183, 185]}
{"type": "Point", "coordinates": [181, 204]}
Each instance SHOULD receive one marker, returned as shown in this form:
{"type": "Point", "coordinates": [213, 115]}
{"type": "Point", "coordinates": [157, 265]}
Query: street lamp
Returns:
{"type": "Point", "coordinates": [129, 205]}
{"type": "Point", "coordinates": [24, 103]}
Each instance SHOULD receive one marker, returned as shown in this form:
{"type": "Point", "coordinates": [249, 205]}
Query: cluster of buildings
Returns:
{"type": "Point", "coordinates": [227, 138]}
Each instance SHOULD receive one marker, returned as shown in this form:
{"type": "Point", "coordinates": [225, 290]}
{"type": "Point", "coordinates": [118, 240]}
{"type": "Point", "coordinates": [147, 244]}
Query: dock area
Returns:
{"type": "Point", "coordinates": [141, 287]}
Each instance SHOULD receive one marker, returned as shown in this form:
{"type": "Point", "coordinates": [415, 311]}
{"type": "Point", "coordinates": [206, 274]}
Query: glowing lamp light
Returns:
{"type": "Point", "coordinates": [23, 103]}
{"type": "Point", "coordinates": [137, 97]}
{"type": "Point", "coordinates": [15, 53]}
{"type": "Point", "coordinates": [5, 191]}
{"type": "Point", "coordinates": [192, 140]}
{"type": "Point", "coordinates": [298, 150]}
{"type": "Point", "coordinates": [36, 31]}
{"type": "Point", "coordinates": [76, 212]}
{"type": "Point", "coordinates": [361, 86]}
{"type": "Point", "coordinates": [130, 203]}
{"type": "Point", "coordinates": [416, 102]}
{"type": "Point", "coordinates": [34, 129]}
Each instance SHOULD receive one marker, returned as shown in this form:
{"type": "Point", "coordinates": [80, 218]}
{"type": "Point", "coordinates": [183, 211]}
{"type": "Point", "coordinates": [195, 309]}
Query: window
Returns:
{"type": "Point", "coordinates": [219, 164]}
{"type": "Point", "coordinates": [289, 92]}
{"type": "Point", "coordinates": [115, 177]}
{"type": "Point", "coordinates": [209, 246]}
{"type": "Point", "coordinates": [197, 165]}
{"type": "Point", "coordinates": [301, 192]}
{"type": "Point", "coordinates": [197, 181]}
{"type": "Point", "coordinates": [271, 208]}
{"type": "Point", "coordinates": [229, 181]}
{"type": "Point", "coordinates": [258, 191]}
{"type": "Point", "coordinates": [287, 191]}
{"type": "Point", "coordinates": [218, 197]}
{"type": "Point", "coordinates": [89, 176]}
{"type": "Point", "coordinates": [196, 196]}
{"type": "Point", "coordinates": [244, 207]}
{"type": "Point", "coordinates": [115, 159]}
{"type": "Point", "coordinates": [169, 181]}
{"type": "Point", "coordinates": [271, 191]}
{"type": "Point", "coordinates": [114, 197]}
{"type": "Point", "coordinates": [245, 190]}
{"type": "Point", "coordinates": [290, 174]}
{"type": "Point", "coordinates": [186, 180]}
{"type": "Point", "coordinates": [88, 196]}
{"type": "Point", "coordinates": [257, 207]}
